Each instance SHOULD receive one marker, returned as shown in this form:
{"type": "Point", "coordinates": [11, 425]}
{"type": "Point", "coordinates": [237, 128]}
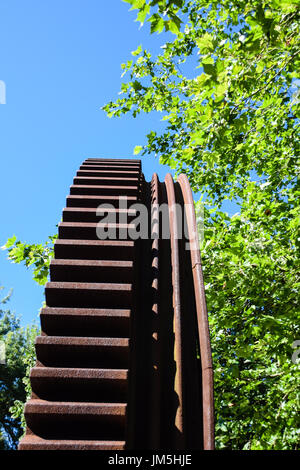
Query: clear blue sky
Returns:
{"type": "Point", "coordinates": [60, 61]}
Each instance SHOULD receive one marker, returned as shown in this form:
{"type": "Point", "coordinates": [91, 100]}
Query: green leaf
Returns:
{"type": "Point", "coordinates": [197, 138]}
{"type": "Point", "coordinates": [137, 4]}
{"type": "Point", "coordinates": [209, 69]}
{"type": "Point", "coordinates": [174, 25]}
{"type": "Point", "coordinates": [208, 60]}
{"type": "Point", "coordinates": [220, 91]}
{"type": "Point", "coordinates": [205, 43]}
{"type": "Point", "coordinates": [137, 149]}
{"type": "Point", "coordinates": [137, 85]}
{"type": "Point", "coordinates": [157, 23]}
{"type": "Point", "coordinates": [137, 51]}
{"type": "Point", "coordinates": [141, 16]}
{"type": "Point", "coordinates": [10, 242]}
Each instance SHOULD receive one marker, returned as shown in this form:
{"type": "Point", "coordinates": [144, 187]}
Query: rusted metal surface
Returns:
{"type": "Point", "coordinates": [177, 308]}
{"type": "Point", "coordinates": [80, 384]}
{"type": "Point", "coordinates": [155, 350]}
{"type": "Point", "coordinates": [202, 318]}
{"type": "Point", "coordinates": [106, 376]}
{"type": "Point", "coordinates": [33, 442]}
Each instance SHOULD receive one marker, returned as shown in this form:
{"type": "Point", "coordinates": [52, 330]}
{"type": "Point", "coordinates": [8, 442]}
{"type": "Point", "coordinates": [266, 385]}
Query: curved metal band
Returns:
{"type": "Point", "coordinates": [202, 318]}
{"type": "Point", "coordinates": [173, 220]}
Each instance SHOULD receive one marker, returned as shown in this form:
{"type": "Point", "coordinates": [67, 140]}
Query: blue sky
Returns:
{"type": "Point", "coordinates": [60, 61]}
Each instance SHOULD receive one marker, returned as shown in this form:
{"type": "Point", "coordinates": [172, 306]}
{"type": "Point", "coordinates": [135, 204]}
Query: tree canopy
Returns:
{"type": "Point", "coordinates": [237, 117]}
{"type": "Point", "coordinates": [18, 355]}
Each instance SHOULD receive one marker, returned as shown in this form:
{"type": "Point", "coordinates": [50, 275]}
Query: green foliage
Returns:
{"type": "Point", "coordinates": [14, 382]}
{"type": "Point", "coordinates": [37, 255]}
{"type": "Point", "coordinates": [234, 130]}
{"type": "Point", "coordinates": [237, 114]}
{"type": "Point", "coordinates": [165, 17]}
{"type": "Point", "coordinates": [15, 386]}
{"type": "Point", "coordinates": [252, 290]}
